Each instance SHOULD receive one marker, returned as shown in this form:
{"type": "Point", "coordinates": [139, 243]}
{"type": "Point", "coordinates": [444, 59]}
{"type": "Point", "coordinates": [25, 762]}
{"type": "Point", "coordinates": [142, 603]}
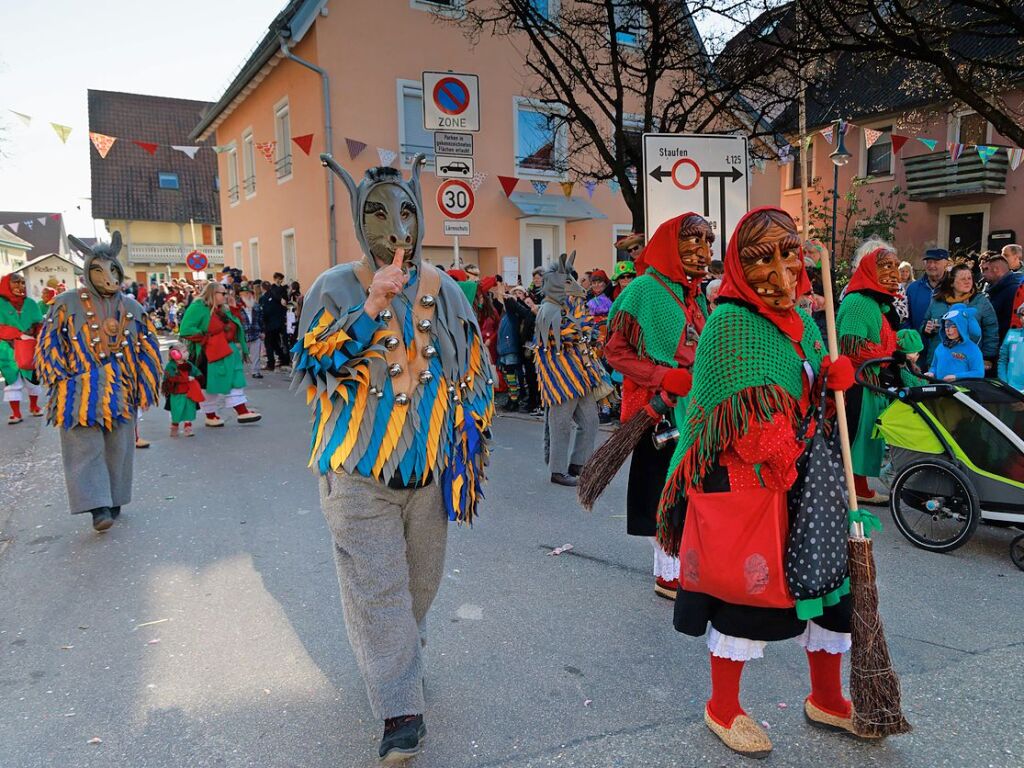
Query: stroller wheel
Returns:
{"type": "Point", "coordinates": [1017, 551]}
{"type": "Point", "coordinates": [934, 505]}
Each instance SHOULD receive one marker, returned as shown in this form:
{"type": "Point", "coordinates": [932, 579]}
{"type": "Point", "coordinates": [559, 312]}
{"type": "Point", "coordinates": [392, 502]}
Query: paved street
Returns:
{"type": "Point", "coordinates": [204, 629]}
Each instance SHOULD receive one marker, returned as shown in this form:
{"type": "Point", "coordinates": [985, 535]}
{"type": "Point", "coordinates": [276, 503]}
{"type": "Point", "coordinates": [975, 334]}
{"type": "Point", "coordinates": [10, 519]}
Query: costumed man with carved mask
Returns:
{"type": "Point", "coordinates": [740, 438]}
{"type": "Point", "coordinates": [569, 374]}
{"type": "Point", "coordinates": [99, 357]}
{"type": "Point", "coordinates": [654, 325]}
{"type": "Point", "coordinates": [20, 319]}
{"type": "Point", "coordinates": [401, 390]}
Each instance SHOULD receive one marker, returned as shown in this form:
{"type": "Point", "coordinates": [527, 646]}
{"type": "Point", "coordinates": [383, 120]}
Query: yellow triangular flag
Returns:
{"type": "Point", "coordinates": [567, 188]}
{"type": "Point", "coordinates": [63, 131]}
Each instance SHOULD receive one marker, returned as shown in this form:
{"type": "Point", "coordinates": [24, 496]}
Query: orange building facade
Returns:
{"type": "Point", "coordinates": [275, 211]}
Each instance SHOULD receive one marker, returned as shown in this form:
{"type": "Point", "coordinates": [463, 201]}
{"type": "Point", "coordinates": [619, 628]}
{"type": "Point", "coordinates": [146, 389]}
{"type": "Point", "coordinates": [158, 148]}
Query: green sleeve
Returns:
{"type": "Point", "coordinates": [195, 321]}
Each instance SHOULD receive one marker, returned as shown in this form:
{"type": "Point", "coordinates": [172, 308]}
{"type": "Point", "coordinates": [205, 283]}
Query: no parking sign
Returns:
{"type": "Point", "coordinates": [197, 261]}
{"type": "Point", "coordinates": [451, 101]}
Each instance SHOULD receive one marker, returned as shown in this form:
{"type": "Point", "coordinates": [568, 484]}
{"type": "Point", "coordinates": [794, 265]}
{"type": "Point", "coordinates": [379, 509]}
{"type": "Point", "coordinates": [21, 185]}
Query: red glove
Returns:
{"type": "Point", "coordinates": [677, 382]}
{"type": "Point", "coordinates": [840, 373]}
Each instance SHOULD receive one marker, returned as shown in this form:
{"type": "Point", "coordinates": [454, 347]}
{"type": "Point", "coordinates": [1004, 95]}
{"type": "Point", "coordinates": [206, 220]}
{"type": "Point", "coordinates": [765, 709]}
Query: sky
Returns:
{"type": "Point", "coordinates": [54, 51]}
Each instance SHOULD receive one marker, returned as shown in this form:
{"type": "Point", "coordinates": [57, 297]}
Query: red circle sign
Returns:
{"type": "Point", "coordinates": [696, 173]}
{"type": "Point", "coordinates": [451, 96]}
{"type": "Point", "coordinates": [455, 199]}
{"type": "Point", "coordinates": [197, 261]}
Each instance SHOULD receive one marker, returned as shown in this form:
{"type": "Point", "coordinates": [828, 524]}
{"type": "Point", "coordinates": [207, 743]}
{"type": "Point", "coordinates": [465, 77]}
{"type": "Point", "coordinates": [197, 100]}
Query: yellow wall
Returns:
{"type": "Point", "coordinates": [150, 231]}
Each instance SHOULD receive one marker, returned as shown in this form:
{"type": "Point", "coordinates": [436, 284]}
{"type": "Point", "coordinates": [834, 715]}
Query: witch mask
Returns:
{"type": "Point", "coordinates": [771, 257]}
{"type": "Point", "coordinates": [887, 268]}
{"type": "Point", "coordinates": [17, 285]}
{"type": "Point", "coordinates": [695, 240]}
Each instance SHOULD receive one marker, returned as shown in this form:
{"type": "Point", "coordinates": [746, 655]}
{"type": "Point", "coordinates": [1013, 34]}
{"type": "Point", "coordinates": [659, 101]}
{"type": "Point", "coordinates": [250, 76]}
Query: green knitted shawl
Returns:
{"type": "Point", "coordinates": [860, 316]}
{"type": "Point", "coordinates": [651, 319]}
{"type": "Point", "coordinates": [745, 370]}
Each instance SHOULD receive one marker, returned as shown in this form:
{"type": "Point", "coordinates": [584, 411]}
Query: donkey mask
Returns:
{"type": "Point", "coordinates": [103, 272]}
{"type": "Point", "coordinates": [558, 286]}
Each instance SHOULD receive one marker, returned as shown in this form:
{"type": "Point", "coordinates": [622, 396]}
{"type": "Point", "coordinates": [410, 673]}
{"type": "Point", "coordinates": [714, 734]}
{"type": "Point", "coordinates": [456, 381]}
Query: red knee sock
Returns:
{"type": "Point", "coordinates": [860, 483]}
{"type": "Point", "coordinates": [826, 682]}
{"type": "Point", "coordinates": [241, 410]}
{"type": "Point", "coordinates": [15, 408]}
{"type": "Point", "coordinates": [724, 704]}
{"type": "Point", "coordinates": [33, 403]}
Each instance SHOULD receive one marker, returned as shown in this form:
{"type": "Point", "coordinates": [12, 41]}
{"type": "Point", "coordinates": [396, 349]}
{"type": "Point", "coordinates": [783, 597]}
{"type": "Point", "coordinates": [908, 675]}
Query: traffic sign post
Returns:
{"type": "Point", "coordinates": [197, 261]}
{"type": "Point", "coordinates": [704, 173]}
{"type": "Point", "coordinates": [453, 144]}
{"type": "Point", "coordinates": [456, 228]}
{"type": "Point", "coordinates": [455, 200]}
{"type": "Point", "coordinates": [451, 101]}
{"type": "Point", "coordinates": [448, 167]}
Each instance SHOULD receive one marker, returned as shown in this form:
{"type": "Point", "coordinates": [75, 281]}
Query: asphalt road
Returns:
{"type": "Point", "coordinates": [204, 629]}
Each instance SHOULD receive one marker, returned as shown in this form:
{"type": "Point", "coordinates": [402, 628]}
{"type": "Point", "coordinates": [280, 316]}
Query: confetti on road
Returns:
{"type": "Point", "coordinates": [154, 641]}
{"type": "Point", "coordinates": [95, 740]}
{"type": "Point", "coordinates": [147, 623]}
{"type": "Point", "coordinates": [560, 550]}
{"type": "Point", "coordinates": [783, 705]}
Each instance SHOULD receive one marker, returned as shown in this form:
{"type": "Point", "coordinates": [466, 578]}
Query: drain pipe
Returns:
{"type": "Point", "coordinates": [329, 134]}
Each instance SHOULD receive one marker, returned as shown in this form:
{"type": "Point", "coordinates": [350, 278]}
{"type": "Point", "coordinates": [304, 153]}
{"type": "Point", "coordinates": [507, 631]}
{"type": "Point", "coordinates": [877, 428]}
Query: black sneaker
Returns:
{"type": "Point", "coordinates": [115, 512]}
{"type": "Point", "coordinates": [101, 519]}
{"type": "Point", "coordinates": [402, 737]}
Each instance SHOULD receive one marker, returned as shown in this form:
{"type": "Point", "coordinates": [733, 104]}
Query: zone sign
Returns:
{"type": "Point", "coordinates": [451, 102]}
{"type": "Point", "coordinates": [455, 199]}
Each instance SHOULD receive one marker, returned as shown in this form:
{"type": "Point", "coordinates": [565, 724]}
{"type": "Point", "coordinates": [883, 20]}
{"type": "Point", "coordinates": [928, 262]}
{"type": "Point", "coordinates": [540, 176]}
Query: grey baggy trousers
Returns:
{"type": "Point", "coordinates": [389, 548]}
{"type": "Point", "coordinates": [98, 465]}
{"type": "Point", "coordinates": [575, 419]}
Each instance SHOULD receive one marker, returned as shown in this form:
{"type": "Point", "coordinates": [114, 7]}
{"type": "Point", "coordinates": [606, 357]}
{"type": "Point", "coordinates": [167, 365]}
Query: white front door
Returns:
{"type": "Point", "coordinates": [541, 245]}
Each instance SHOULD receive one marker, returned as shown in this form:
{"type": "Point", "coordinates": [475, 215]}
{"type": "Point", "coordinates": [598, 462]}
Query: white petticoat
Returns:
{"type": "Point", "coordinates": [665, 566]}
{"type": "Point", "coordinates": [814, 638]}
{"type": "Point", "coordinates": [13, 392]}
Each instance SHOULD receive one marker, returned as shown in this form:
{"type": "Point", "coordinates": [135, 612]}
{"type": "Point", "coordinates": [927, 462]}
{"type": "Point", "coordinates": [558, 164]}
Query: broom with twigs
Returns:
{"type": "Point", "coordinates": [606, 461]}
{"type": "Point", "coordinates": [874, 685]}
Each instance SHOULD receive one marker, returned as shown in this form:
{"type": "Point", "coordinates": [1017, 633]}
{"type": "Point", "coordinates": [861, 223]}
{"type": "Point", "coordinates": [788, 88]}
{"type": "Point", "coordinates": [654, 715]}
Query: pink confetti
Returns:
{"type": "Point", "coordinates": [765, 724]}
{"type": "Point", "coordinates": [154, 641]}
{"type": "Point", "coordinates": [783, 705]}
{"type": "Point", "coordinates": [560, 550]}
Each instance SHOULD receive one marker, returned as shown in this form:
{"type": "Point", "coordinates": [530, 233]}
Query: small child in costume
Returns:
{"type": "Point", "coordinates": [959, 357]}
{"type": "Point", "coordinates": [1011, 353]}
{"type": "Point", "coordinates": [909, 342]}
{"type": "Point", "coordinates": [182, 390]}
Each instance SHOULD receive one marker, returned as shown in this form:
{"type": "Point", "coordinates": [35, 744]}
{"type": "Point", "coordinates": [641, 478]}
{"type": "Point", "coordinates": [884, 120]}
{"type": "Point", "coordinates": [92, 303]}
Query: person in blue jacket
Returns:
{"type": "Point", "coordinates": [958, 357]}
{"type": "Point", "coordinates": [959, 287]}
{"type": "Point", "coordinates": [919, 292]}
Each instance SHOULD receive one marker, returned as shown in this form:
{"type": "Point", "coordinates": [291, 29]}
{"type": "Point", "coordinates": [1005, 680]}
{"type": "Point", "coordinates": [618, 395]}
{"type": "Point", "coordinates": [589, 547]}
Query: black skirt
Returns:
{"type": "Point", "coordinates": [648, 470]}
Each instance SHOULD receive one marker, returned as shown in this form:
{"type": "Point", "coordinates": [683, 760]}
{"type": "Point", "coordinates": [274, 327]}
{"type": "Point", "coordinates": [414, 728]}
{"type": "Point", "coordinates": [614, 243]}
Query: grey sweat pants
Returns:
{"type": "Point", "coordinates": [98, 466]}
{"type": "Point", "coordinates": [575, 419]}
{"type": "Point", "coordinates": [389, 548]}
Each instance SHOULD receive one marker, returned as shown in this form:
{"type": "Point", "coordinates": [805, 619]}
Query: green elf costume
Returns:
{"type": "Point", "coordinates": [867, 323]}
{"type": "Point", "coordinates": [20, 320]}
{"type": "Point", "coordinates": [653, 329]}
{"type": "Point", "coordinates": [753, 382]}
{"type": "Point", "coordinates": [217, 343]}
{"type": "Point", "coordinates": [182, 391]}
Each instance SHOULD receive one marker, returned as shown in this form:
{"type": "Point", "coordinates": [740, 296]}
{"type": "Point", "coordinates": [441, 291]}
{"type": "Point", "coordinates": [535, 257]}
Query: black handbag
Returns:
{"type": "Point", "coordinates": [816, 550]}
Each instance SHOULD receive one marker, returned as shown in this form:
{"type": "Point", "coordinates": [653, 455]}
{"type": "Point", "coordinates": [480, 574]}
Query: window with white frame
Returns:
{"type": "Point", "coordinates": [413, 138]}
{"type": "Point", "coordinates": [233, 193]}
{"type": "Point", "coordinates": [283, 135]}
{"type": "Point", "coordinates": [619, 231]}
{"type": "Point", "coordinates": [237, 249]}
{"type": "Point", "coordinates": [288, 256]}
{"type": "Point", "coordinates": [254, 258]}
{"type": "Point", "coordinates": [541, 140]}
{"type": "Point", "coordinates": [628, 23]}
{"type": "Point", "coordinates": [633, 137]}
{"type": "Point", "coordinates": [249, 164]}
{"type": "Point", "coordinates": [967, 127]}
{"type": "Point", "coordinates": [441, 7]}
{"type": "Point", "coordinates": [878, 157]}
{"type": "Point", "coordinates": [794, 176]}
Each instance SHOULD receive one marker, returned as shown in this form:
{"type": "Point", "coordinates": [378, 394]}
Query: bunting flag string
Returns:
{"type": "Point", "coordinates": [871, 136]}
{"type": "Point", "coordinates": [190, 151]}
{"type": "Point", "coordinates": [14, 226]}
{"type": "Point", "coordinates": [478, 179]}
{"type": "Point", "coordinates": [567, 187]}
{"type": "Point", "coordinates": [930, 143]}
{"type": "Point", "coordinates": [42, 221]}
{"type": "Point", "coordinates": [355, 148]}
{"type": "Point", "coordinates": [986, 153]}
{"type": "Point", "coordinates": [28, 223]}
{"type": "Point", "coordinates": [955, 150]}
{"type": "Point", "coordinates": [827, 134]}
{"type": "Point", "coordinates": [62, 131]}
{"type": "Point", "coordinates": [222, 149]}
{"type": "Point", "coordinates": [590, 185]}
{"type": "Point", "coordinates": [508, 184]}
{"type": "Point", "coordinates": [305, 143]}
{"type": "Point", "coordinates": [149, 146]}
{"type": "Point", "coordinates": [762, 164]}
{"type": "Point", "coordinates": [26, 119]}
{"type": "Point", "coordinates": [898, 142]}
{"type": "Point", "coordinates": [614, 186]}
{"type": "Point", "coordinates": [102, 142]}
{"type": "Point", "coordinates": [540, 187]}
{"type": "Point", "coordinates": [1015, 155]}
{"type": "Point", "coordinates": [387, 156]}
{"type": "Point", "coordinates": [784, 154]}
{"type": "Point", "coordinates": [268, 149]}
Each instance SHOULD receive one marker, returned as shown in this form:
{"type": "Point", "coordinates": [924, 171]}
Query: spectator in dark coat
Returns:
{"type": "Point", "coordinates": [1002, 288]}
{"type": "Point", "coordinates": [919, 292]}
{"type": "Point", "coordinates": [274, 304]}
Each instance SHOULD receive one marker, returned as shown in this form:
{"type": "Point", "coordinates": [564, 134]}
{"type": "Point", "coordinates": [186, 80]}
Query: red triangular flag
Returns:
{"type": "Point", "coordinates": [508, 183]}
{"type": "Point", "coordinates": [354, 148]}
{"type": "Point", "coordinates": [898, 142]}
{"type": "Point", "coordinates": [305, 142]}
{"type": "Point", "coordinates": [146, 145]}
{"type": "Point", "coordinates": [54, 216]}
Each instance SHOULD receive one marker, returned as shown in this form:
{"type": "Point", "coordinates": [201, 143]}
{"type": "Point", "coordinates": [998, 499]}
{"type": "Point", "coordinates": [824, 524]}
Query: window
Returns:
{"type": "Point", "coordinates": [249, 164]}
{"type": "Point", "coordinates": [441, 7]}
{"type": "Point", "coordinates": [628, 27]}
{"type": "Point", "coordinates": [619, 231]}
{"type": "Point", "coordinates": [633, 130]}
{"type": "Point", "coordinates": [413, 139]}
{"type": "Point", "coordinates": [969, 128]}
{"type": "Point", "coordinates": [218, 235]}
{"type": "Point", "coordinates": [288, 254]}
{"type": "Point", "coordinates": [542, 8]}
{"type": "Point", "coordinates": [233, 174]}
{"type": "Point", "coordinates": [541, 140]}
{"type": "Point", "coordinates": [254, 258]}
{"type": "Point", "coordinates": [795, 179]}
{"type": "Point", "coordinates": [878, 157]}
{"type": "Point", "coordinates": [216, 183]}
{"type": "Point", "coordinates": [283, 134]}
{"type": "Point", "coordinates": [168, 180]}
{"type": "Point", "coordinates": [237, 248]}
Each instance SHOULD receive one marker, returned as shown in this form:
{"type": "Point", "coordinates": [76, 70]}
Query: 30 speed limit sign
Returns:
{"type": "Point", "coordinates": [455, 199]}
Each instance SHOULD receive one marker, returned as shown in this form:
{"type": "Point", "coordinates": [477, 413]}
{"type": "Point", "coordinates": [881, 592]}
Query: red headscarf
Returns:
{"type": "Point", "coordinates": [866, 276]}
{"type": "Point", "coordinates": [662, 252]}
{"type": "Point", "coordinates": [735, 285]}
{"type": "Point", "coordinates": [7, 293]}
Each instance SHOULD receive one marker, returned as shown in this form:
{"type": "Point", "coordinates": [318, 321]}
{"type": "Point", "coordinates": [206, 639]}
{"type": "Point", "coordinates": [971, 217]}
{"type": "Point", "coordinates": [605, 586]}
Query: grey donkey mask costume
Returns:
{"type": "Point", "coordinates": [402, 405]}
{"type": "Point", "coordinates": [99, 357]}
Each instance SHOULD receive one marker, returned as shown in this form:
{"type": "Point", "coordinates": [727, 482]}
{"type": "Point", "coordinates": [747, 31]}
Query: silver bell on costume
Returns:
{"type": "Point", "coordinates": [401, 399]}
{"type": "Point", "coordinates": [386, 314]}
{"type": "Point", "coordinates": [391, 343]}
{"type": "Point", "coordinates": [424, 325]}
{"type": "Point", "coordinates": [426, 377]}
{"type": "Point", "coordinates": [427, 300]}
{"type": "Point", "coordinates": [430, 351]}
{"type": "Point", "coordinates": [395, 369]}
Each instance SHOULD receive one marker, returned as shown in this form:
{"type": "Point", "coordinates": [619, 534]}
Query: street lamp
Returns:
{"type": "Point", "coordinates": [841, 156]}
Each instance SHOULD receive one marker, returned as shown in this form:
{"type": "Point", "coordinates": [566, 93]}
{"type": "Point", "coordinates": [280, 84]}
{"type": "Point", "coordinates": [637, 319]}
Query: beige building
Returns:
{"type": "Point", "coordinates": [13, 251]}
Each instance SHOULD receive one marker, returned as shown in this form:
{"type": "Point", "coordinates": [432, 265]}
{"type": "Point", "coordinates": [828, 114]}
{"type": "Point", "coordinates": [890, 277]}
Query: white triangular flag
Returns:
{"type": "Point", "coordinates": [26, 119]}
{"type": "Point", "coordinates": [190, 151]}
{"type": "Point", "coordinates": [871, 136]}
{"type": "Point", "coordinates": [387, 156]}
{"type": "Point", "coordinates": [14, 226]}
{"type": "Point", "coordinates": [42, 221]}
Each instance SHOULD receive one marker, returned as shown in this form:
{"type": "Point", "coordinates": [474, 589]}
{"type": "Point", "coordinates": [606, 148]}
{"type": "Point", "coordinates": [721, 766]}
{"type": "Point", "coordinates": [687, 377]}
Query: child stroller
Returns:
{"type": "Point", "coordinates": [958, 455]}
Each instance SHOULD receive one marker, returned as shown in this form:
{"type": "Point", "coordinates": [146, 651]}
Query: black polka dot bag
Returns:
{"type": "Point", "coordinates": [816, 549]}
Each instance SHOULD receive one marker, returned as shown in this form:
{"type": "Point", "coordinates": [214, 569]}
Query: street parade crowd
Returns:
{"type": "Point", "coordinates": [718, 372]}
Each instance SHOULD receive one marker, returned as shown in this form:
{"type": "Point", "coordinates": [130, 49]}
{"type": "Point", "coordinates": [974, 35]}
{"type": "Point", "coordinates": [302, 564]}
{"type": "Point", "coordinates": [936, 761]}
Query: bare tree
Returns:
{"type": "Point", "coordinates": [607, 71]}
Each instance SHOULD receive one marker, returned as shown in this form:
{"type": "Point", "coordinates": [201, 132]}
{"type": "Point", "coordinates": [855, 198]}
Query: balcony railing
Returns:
{"type": "Point", "coordinates": [283, 166]}
{"type": "Point", "coordinates": [170, 253]}
{"type": "Point", "coordinates": [935, 176]}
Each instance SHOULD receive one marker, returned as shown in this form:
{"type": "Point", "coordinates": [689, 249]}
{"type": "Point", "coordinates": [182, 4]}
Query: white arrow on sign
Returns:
{"type": "Point", "coordinates": [696, 172]}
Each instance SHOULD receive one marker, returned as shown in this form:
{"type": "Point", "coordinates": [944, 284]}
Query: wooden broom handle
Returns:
{"type": "Point", "coordinates": [833, 351]}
